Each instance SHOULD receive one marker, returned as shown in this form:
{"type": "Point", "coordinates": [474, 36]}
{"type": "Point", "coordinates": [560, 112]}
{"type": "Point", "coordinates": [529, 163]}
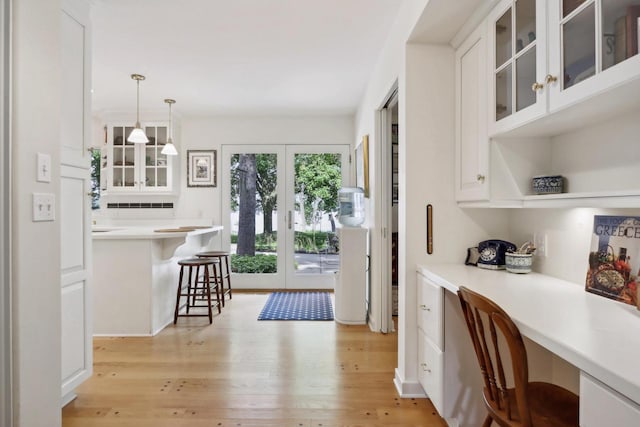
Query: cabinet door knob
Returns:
{"type": "Point", "coordinates": [424, 307]}
{"type": "Point", "coordinates": [424, 367]}
{"type": "Point", "coordinates": [480, 178]}
{"type": "Point", "coordinates": [537, 86]}
{"type": "Point", "coordinates": [550, 79]}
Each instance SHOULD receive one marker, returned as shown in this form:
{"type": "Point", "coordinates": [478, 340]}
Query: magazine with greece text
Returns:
{"type": "Point", "coordinates": [614, 258]}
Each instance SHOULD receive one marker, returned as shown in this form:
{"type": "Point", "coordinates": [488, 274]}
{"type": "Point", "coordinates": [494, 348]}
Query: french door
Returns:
{"type": "Point", "coordinates": [279, 209]}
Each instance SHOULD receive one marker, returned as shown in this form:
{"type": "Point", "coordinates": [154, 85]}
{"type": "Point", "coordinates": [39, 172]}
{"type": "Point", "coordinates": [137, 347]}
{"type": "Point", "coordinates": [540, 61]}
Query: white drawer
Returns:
{"type": "Point", "coordinates": [430, 371]}
{"type": "Point", "coordinates": [602, 406]}
{"type": "Point", "coordinates": [430, 310]}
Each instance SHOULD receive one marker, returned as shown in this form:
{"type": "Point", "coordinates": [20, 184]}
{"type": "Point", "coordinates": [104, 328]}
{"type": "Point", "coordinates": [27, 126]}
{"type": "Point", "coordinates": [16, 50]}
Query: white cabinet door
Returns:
{"type": "Point", "coordinates": [472, 144]}
{"type": "Point", "coordinates": [601, 406]}
{"type": "Point", "coordinates": [518, 63]}
{"type": "Point", "coordinates": [430, 311]}
{"type": "Point", "coordinates": [431, 371]}
{"type": "Point", "coordinates": [591, 51]}
{"type": "Point", "coordinates": [75, 200]}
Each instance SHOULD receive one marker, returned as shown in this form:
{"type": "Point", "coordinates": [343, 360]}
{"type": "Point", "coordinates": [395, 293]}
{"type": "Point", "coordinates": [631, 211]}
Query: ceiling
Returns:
{"type": "Point", "coordinates": [237, 57]}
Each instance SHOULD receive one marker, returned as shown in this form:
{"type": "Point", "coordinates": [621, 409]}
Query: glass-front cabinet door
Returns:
{"type": "Point", "coordinates": [155, 163]}
{"type": "Point", "coordinates": [138, 167]}
{"type": "Point", "coordinates": [517, 66]}
{"type": "Point", "coordinates": [594, 45]}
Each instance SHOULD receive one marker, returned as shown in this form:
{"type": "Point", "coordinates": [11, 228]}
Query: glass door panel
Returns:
{"type": "Point", "coordinates": [579, 46]}
{"type": "Point", "coordinates": [253, 185]}
{"type": "Point", "coordinates": [619, 31]}
{"type": "Point", "coordinates": [314, 176]}
{"type": "Point", "coordinates": [503, 93]}
{"type": "Point", "coordinates": [525, 78]}
{"type": "Point", "coordinates": [525, 24]}
{"type": "Point", "coordinates": [503, 39]}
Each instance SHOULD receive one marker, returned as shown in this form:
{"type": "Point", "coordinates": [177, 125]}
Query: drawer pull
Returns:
{"type": "Point", "coordinates": [424, 307]}
{"type": "Point", "coordinates": [424, 367]}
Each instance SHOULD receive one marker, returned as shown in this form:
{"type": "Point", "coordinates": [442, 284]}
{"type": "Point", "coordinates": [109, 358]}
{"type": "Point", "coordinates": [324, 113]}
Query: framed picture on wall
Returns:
{"type": "Point", "coordinates": [362, 165]}
{"type": "Point", "coordinates": [201, 168]}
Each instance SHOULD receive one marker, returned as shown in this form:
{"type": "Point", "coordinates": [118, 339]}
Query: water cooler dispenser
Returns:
{"type": "Point", "coordinates": [351, 281]}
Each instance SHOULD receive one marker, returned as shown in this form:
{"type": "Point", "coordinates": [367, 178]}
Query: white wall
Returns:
{"type": "Point", "coordinates": [36, 259]}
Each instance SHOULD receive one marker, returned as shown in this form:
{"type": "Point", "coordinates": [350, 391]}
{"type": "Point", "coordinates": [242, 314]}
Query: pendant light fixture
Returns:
{"type": "Point", "coordinates": [138, 136]}
{"type": "Point", "coordinates": [170, 149]}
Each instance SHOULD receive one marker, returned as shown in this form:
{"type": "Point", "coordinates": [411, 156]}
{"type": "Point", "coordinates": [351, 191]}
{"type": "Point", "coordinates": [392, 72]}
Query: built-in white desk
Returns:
{"type": "Point", "coordinates": [598, 336]}
{"type": "Point", "coordinates": [135, 275]}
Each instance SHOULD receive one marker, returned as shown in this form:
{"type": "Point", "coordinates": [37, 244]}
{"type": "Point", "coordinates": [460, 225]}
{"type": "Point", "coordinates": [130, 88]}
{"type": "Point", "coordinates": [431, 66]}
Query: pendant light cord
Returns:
{"type": "Point", "coordinates": [138, 102]}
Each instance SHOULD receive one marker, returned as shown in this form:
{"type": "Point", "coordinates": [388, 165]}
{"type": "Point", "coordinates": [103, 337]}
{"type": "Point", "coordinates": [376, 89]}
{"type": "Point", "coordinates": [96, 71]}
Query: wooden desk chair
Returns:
{"type": "Point", "coordinates": [526, 404]}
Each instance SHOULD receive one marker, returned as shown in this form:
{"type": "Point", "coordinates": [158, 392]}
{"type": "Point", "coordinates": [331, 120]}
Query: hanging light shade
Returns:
{"type": "Point", "coordinates": [169, 149]}
{"type": "Point", "coordinates": [138, 136]}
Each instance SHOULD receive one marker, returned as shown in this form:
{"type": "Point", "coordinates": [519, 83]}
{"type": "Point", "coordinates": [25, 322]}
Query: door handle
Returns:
{"type": "Point", "coordinates": [289, 220]}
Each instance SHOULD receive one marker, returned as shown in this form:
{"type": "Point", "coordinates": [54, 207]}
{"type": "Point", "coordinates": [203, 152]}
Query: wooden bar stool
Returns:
{"type": "Point", "coordinates": [220, 256]}
{"type": "Point", "coordinates": [196, 290]}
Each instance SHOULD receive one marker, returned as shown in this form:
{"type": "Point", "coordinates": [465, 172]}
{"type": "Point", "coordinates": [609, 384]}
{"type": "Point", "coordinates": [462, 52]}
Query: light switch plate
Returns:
{"type": "Point", "coordinates": [43, 168]}
{"type": "Point", "coordinates": [44, 207]}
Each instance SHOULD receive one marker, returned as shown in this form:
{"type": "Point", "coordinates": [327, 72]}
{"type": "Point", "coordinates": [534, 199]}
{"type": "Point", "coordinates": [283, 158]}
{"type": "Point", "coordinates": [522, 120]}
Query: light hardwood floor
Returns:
{"type": "Point", "coordinates": [241, 372]}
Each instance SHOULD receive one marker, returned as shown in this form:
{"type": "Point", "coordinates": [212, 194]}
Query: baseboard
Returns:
{"type": "Point", "coordinates": [408, 389]}
{"type": "Point", "coordinates": [67, 398]}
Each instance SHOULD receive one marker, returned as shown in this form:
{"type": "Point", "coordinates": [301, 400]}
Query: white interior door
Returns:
{"type": "Point", "coordinates": [75, 199]}
{"type": "Point", "coordinates": [279, 206]}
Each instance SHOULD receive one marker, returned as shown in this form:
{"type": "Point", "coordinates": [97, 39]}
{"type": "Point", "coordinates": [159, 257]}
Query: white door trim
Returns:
{"type": "Point", "coordinates": [6, 383]}
{"type": "Point", "coordinates": [383, 211]}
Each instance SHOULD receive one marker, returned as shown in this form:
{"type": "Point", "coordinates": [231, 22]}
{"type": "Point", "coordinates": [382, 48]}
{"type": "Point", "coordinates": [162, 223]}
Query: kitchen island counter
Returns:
{"type": "Point", "coordinates": [135, 275]}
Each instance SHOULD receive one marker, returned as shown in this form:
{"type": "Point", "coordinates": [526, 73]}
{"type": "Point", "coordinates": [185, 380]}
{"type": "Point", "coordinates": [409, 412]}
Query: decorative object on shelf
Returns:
{"type": "Point", "coordinates": [137, 134]}
{"type": "Point", "coordinates": [362, 165]}
{"type": "Point", "coordinates": [614, 258]}
{"type": "Point", "coordinates": [492, 253]}
{"type": "Point", "coordinates": [521, 260]}
{"type": "Point", "coordinates": [169, 149]}
{"type": "Point", "coordinates": [547, 184]}
{"type": "Point", "coordinates": [201, 168]}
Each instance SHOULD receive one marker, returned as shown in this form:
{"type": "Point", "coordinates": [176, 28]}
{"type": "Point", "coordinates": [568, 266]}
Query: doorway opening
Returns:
{"type": "Point", "coordinates": [389, 155]}
{"type": "Point", "coordinates": [279, 212]}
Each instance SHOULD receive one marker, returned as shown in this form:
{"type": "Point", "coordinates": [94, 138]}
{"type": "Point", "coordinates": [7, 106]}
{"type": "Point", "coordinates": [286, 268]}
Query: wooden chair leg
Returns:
{"type": "Point", "coordinates": [487, 421]}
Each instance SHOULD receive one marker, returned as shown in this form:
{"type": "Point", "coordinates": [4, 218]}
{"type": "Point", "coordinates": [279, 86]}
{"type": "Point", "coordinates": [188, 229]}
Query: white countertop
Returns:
{"type": "Point", "coordinates": [597, 335]}
{"type": "Point", "coordinates": [147, 232]}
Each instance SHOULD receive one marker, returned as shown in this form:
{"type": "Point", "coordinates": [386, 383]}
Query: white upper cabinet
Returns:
{"type": "Point", "coordinates": [517, 63]}
{"type": "Point", "coordinates": [138, 168]}
{"type": "Point", "coordinates": [593, 48]}
{"type": "Point", "coordinates": [472, 143]}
